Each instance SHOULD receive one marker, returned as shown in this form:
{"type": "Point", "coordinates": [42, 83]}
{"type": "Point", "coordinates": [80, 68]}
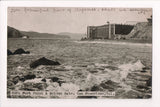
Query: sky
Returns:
{"type": "Point", "coordinates": [75, 20]}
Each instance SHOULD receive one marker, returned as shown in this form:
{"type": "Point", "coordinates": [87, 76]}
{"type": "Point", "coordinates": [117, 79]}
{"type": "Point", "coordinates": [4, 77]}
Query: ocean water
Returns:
{"type": "Point", "coordinates": [83, 66]}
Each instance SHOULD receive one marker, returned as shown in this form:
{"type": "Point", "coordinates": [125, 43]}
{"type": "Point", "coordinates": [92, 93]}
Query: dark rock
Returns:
{"type": "Point", "coordinates": [43, 61]}
{"type": "Point", "coordinates": [112, 68]}
{"type": "Point", "coordinates": [61, 82]}
{"type": "Point", "coordinates": [110, 85]}
{"type": "Point", "coordinates": [22, 79]}
{"type": "Point", "coordinates": [55, 79]}
{"type": "Point", "coordinates": [105, 86]}
{"type": "Point", "coordinates": [15, 80]}
{"type": "Point", "coordinates": [93, 71]}
{"type": "Point", "coordinates": [10, 84]}
{"type": "Point", "coordinates": [96, 88]}
{"type": "Point", "coordinates": [143, 71]}
{"type": "Point", "coordinates": [27, 52]}
{"type": "Point", "coordinates": [147, 96]}
{"type": "Point", "coordinates": [9, 52]}
{"type": "Point", "coordinates": [142, 87]}
{"type": "Point", "coordinates": [33, 86]}
{"type": "Point", "coordinates": [149, 82]}
{"type": "Point", "coordinates": [44, 80]}
{"type": "Point", "coordinates": [21, 51]}
{"type": "Point", "coordinates": [40, 86]}
{"type": "Point", "coordinates": [29, 76]}
{"type": "Point", "coordinates": [140, 97]}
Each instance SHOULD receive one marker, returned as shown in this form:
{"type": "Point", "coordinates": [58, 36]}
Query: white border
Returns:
{"type": "Point", "coordinates": [154, 102]}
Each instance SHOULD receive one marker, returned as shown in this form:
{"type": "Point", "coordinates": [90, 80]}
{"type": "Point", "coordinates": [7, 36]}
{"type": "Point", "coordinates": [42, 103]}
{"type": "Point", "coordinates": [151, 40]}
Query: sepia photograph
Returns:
{"type": "Point", "coordinates": [79, 53]}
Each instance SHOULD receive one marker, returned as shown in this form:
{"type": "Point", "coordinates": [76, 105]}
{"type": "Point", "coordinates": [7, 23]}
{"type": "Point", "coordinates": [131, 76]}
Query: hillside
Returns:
{"type": "Point", "coordinates": [75, 36]}
{"type": "Point", "coordinates": [141, 31]}
{"type": "Point", "coordinates": [13, 33]}
{"type": "Point", "coordinates": [32, 34]}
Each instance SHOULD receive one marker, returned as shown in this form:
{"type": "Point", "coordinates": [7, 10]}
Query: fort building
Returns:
{"type": "Point", "coordinates": [108, 31]}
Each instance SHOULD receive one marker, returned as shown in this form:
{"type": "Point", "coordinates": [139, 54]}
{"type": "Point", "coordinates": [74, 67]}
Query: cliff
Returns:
{"type": "Point", "coordinates": [141, 31]}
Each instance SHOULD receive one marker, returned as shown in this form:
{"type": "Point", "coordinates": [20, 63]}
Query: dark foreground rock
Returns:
{"type": "Point", "coordinates": [43, 61]}
{"type": "Point", "coordinates": [109, 85]}
{"type": "Point", "coordinates": [21, 51]}
{"type": "Point", "coordinates": [33, 86]}
{"type": "Point", "coordinates": [29, 76]}
{"type": "Point", "coordinates": [149, 82]}
{"type": "Point", "coordinates": [9, 52]}
{"type": "Point", "coordinates": [44, 80]}
{"type": "Point", "coordinates": [56, 79]}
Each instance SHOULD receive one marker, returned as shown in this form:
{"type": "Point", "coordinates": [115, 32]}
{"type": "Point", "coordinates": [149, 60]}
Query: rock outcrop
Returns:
{"type": "Point", "coordinates": [21, 51]}
{"type": "Point", "coordinates": [14, 33]}
{"type": "Point", "coordinates": [9, 52]}
{"type": "Point", "coordinates": [18, 51]}
{"type": "Point", "coordinates": [43, 61]}
{"type": "Point", "coordinates": [141, 31]}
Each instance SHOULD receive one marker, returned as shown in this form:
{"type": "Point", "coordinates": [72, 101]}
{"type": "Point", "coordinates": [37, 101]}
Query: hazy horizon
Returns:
{"type": "Point", "coordinates": [73, 20]}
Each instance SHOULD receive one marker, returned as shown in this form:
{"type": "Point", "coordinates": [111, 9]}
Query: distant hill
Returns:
{"type": "Point", "coordinates": [75, 36]}
{"type": "Point", "coordinates": [14, 33]}
{"type": "Point", "coordinates": [32, 34]}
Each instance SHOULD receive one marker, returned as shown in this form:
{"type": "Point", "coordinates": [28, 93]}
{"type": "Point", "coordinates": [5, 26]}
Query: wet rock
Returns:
{"type": "Point", "coordinates": [112, 68]}
{"type": "Point", "coordinates": [142, 87]}
{"type": "Point", "coordinates": [21, 51]}
{"type": "Point", "coordinates": [43, 61]}
{"type": "Point", "coordinates": [145, 69]}
{"type": "Point", "coordinates": [55, 79]}
{"type": "Point", "coordinates": [149, 82]}
{"type": "Point", "coordinates": [147, 96]}
{"type": "Point", "coordinates": [29, 76]}
{"type": "Point", "coordinates": [110, 85]}
{"type": "Point", "coordinates": [61, 82]}
{"type": "Point", "coordinates": [132, 94]}
{"type": "Point", "coordinates": [96, 88]}
{"type": "Point", "coordinates": [33, 86]}
{"type": "Point", "coordinates": [10, 84]}
{"type": "Point", "coordinates": [93, 71]}
{"type": "Point", "coordinates": [15, 80]}
{"type": "Point", "coordinates": [22, 79]}
{"type": "Point", "coordinates": [44, 80]}
{"type": "Point", "coordinates": [80, 90]}
{"type": "Point", "coordinates": [9, 52]}
{"type": "Point", "coordinates": [40, 86]}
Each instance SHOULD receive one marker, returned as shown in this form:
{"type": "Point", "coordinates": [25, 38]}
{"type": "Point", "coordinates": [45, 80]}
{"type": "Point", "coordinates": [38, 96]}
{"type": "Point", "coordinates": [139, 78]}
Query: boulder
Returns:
{"type": "Point", "coordinates": [44, 80]}
{"type": "Point", "coordinates": [9, 52]}
{"type": "Point", "coordinates": [55, 79]}
{"type": "Point", "coordinates": [15, 80]}
{"type": "Point", "coordinates": [43, 61]}
{"type": "Point", "coordinates": [29, 76]}
{"type": "Point", "coordinates": [10, 84]}
{"type": "Point", "coordinates": [21, 51]}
